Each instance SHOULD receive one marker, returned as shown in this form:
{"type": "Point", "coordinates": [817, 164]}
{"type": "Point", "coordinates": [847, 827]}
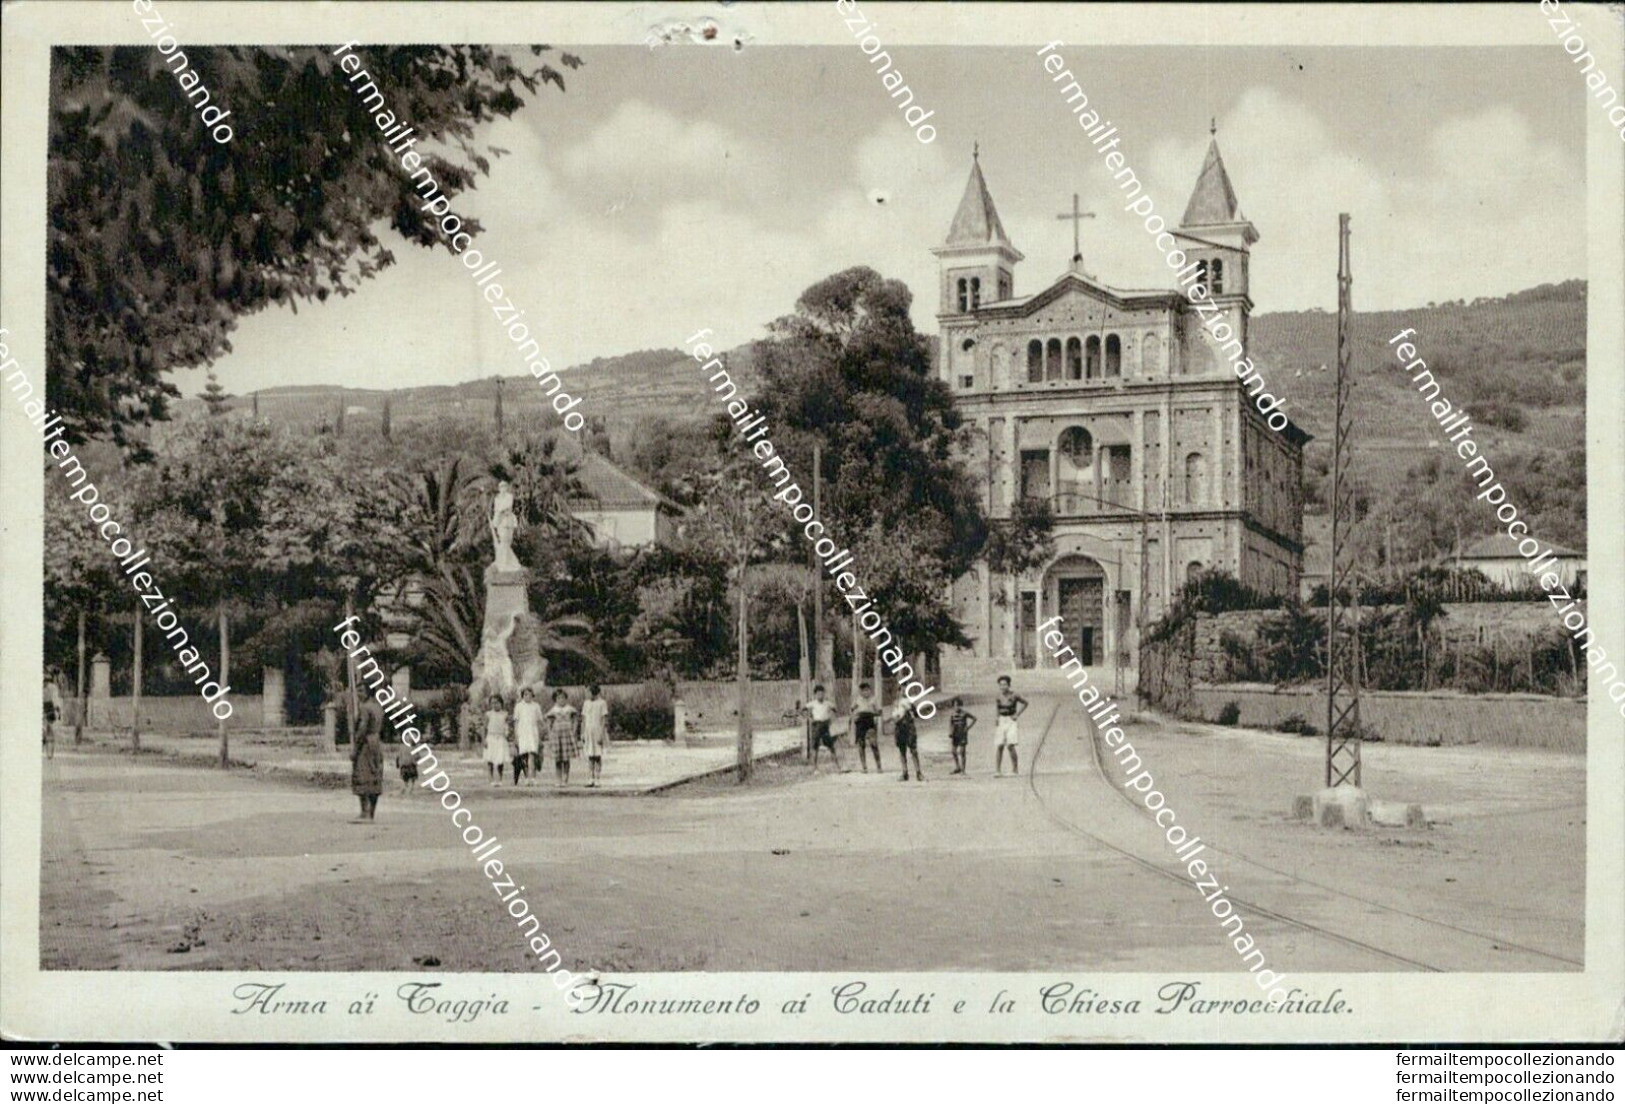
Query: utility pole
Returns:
{"type": "Point", "coordinates": [812, 559]}
{"type": "Point", "coordinates": [746, 737]}
{"type": "Point", "coordinates": [1342, 618]}
{"type": "Point", "coordinates": [79, 689]}
{"type": "Point", "coordinates": [806, 691]}
{"type": "Point", "coordinates": [135, 687]}
{"type": "Point", "coordinates": [225, 672]}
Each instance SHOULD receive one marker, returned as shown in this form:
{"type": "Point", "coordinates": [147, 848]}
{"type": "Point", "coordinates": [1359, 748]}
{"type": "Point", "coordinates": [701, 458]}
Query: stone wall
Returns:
{"type": "Point", "coordinates": [1432, 718]}
{"type": "Point", "coordinates": [1513, 626]}
{"type": "Point", "coordinates": [173, 713]}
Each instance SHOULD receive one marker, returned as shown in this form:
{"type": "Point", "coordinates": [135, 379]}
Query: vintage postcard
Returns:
{"type": "Point", "coordinates": [838, 522]}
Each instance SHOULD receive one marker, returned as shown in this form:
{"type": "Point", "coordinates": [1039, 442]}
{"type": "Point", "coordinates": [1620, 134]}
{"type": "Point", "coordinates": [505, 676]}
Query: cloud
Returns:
{"type": "Point", "coordinates": [644, 150]}
{"type": "Point", "coordinates": [1477, 200]}
{"type": "Point", "coordinates": [636, 231]}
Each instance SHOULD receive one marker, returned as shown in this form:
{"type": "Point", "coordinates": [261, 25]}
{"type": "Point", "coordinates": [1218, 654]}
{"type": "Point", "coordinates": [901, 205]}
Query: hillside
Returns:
{"type": "Point", "coordinates": [1517, 363]}
{"type": "Point", "coordinates": [618, 389]}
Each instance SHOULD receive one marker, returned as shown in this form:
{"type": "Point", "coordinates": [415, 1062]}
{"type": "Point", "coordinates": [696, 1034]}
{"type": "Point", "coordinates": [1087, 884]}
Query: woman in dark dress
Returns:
{"type": "Point", "coordinates": [367, 759]}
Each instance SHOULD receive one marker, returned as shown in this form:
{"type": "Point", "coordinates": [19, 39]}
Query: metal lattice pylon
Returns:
{"type": "Point", "coordinates": [1342, 616]}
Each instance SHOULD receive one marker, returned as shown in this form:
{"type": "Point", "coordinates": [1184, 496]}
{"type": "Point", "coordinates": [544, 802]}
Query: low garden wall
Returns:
{"type": "Point", "coordinates": [166, 713]}
{"type": "Point", "coordinates": [1428, 718]}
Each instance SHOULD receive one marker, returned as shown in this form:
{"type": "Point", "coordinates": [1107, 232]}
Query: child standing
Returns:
{"type": "Point", "coordinates": [959, 726]}
{"type": "Point", "coordinates": [408, 766]}
{"type": "Point", "coordinates": [527, 730]}
{"type": "Point", "coordinates": [1010, 705]}
{"type": "Point", "coordinates": [865, 727]}
{"type": "Point", "coordinates": [908, 739]}
{"type": "Point", "coordinates": [821, 714]}
{"type": "Point", "coordinates": [595, 731]}
{"type": "Point", "coordinates": [563, 737]}
{"type": "Point", "coordinates": [496, 738]}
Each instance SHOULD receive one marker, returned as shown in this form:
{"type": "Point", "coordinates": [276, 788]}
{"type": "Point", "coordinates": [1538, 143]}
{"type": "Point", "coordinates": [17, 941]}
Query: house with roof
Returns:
{"type": "Point", "coordinates": [620, 511]}
{"type": "Point", "coordinates": [1497, 556]}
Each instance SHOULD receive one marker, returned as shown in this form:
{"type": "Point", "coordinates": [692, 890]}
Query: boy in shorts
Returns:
{"type": "Point", "coordinates": [959, 726]}
{"type": "Point", "coordinates": [865, 730]}
{"type": "Point", "coordinates": [1009, 705]}
{"type": "Point", "coordinates": [821, 713]}
{"type": "Point", "coordinates": [908, 739]}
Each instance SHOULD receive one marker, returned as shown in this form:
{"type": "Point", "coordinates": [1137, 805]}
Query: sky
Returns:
{"type": "Point", "coordinates": [688, 187]}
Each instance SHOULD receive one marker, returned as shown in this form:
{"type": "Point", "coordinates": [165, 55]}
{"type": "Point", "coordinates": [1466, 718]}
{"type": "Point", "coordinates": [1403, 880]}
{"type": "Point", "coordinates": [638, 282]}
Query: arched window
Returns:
{"type": "Point", "coordinates": [962, 296]}
{"type": "Point", "coordinates": [1193, 571]}
{"type": "Point", "coordinates": [1052, 362]}
{"type": "Point", "coordinates": [1035, 361]}
{"type": "Point", "coordinates": [1217, 269]}
{"type": "Point", "coordinates": [1074, 358]}
{"type": "Point", "coordinates": [1201, 273]}
{"type": "Point", "coordinates": [1077, 446]}
{"type": "Point", "coordinates": [975, 292]}
{"type": "Point", "coordinates": [1114, 355]}
{"type": "Point", "coordinates": [1195, 479]}
{"type": "Point", "coordinates": [1091, 357]}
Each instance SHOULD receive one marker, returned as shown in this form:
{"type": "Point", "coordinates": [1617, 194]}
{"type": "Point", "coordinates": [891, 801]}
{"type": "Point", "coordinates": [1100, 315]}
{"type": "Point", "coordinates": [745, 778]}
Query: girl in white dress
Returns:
{"type": "Point", "coordinates": [527, 730]}
{"type": "Point", "coordinates": [595, 731]}
{"type": "Point", "coordinates": [496, 739]}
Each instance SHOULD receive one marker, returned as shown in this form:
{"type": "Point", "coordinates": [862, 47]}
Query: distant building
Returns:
{"type": "Point", "coordinates": [1497, 557]}
{"type": "Point", "coordinates": [621, 512]}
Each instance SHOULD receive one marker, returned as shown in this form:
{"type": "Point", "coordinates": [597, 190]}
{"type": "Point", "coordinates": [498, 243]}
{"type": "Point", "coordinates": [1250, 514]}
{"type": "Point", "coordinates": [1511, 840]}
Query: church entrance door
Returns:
{"type": "Point", "coordinates": [1082, 615]}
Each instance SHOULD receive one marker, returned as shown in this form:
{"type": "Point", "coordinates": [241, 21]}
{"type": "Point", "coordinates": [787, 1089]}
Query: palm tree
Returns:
{"type": "Point", "coordinates": [445, 542]}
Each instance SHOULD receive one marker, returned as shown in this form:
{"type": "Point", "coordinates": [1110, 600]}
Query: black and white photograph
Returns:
{"type": "Point", "coordinates": [814, 523]}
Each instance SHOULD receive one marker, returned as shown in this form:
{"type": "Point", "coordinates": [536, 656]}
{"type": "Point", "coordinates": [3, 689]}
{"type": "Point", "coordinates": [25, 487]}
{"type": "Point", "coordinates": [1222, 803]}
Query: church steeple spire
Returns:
{"type": "Point", "coordinates": [977, 220]}
{"type": "Point", "coordinates": [977, 259]}
{"type": "Point", "coordinates": [1213, 202]}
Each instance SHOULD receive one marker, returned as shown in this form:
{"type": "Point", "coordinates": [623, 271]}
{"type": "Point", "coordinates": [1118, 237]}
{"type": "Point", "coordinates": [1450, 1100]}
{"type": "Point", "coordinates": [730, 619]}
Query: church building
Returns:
{"type": "Point", "coordinates": [1115, 408]}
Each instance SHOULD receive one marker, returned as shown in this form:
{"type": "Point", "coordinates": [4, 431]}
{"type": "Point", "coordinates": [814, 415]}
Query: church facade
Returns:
{"type": "Point", "coordinates": [1113, 407]}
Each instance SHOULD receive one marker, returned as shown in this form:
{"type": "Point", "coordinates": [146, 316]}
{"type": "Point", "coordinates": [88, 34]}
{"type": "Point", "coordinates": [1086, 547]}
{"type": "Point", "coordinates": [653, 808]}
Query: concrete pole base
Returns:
{"type": "Point", "coordinates": [1351, 807]}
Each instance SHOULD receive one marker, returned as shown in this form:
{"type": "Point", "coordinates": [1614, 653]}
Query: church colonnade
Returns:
{"type": "Point", "coordinates": [1074, 358]}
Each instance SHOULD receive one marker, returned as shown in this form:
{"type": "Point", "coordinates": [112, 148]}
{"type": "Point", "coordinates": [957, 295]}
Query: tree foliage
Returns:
{"type": "Point", "coordinates": [848, 371]}
{"type": "Point", "coordinates": [159, 238]}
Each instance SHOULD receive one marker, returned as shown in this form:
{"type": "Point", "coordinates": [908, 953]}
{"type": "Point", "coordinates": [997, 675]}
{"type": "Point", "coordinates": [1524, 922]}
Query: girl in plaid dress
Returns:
{"type": "Point", "coordinates": [563, 736]}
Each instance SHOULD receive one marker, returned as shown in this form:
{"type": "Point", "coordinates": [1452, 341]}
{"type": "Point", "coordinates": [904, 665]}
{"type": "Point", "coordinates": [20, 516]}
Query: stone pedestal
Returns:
{"type": "Point", "coordinates": [330, 727]}
{"type": "Point", "coordinates": [510, 657]}
{"type": "Point", "coordinates": [99, 707]}
{"type": "Point", "coordinates": [272, 712]}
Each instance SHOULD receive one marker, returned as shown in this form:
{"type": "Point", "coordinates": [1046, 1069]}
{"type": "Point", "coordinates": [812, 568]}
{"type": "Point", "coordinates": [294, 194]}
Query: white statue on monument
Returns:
{"type": "Point", "coordinates": [503, 524]}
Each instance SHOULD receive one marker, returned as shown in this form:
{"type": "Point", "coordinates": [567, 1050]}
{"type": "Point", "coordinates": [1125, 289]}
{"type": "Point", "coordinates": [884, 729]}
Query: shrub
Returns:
{"type": "Point", "coordinates": [1229, 714]}
{"type": "Point", "coordinates": [643, 714]}
{"type": "Point", "coordinates": [1296, 722]}
{"type": "Point", "coordinates": [442, 713]}
{"type": "Point", "coordinates": [1503, 414]}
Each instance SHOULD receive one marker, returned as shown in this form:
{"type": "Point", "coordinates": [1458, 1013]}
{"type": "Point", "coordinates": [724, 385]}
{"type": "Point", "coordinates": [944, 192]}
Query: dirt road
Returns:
{"type": "Point", "coordinates": [151, 866]}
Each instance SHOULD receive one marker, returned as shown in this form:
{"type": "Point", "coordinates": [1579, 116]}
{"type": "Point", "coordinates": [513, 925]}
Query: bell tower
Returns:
{"type": "Point", "coordinates": [976, 262]}
{"type": "Point", "coordinates": [1217, 237]}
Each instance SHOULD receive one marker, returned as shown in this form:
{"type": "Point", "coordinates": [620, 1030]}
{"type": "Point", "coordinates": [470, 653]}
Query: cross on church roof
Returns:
{"type": "Point", "coordinates": [1076, 218]}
